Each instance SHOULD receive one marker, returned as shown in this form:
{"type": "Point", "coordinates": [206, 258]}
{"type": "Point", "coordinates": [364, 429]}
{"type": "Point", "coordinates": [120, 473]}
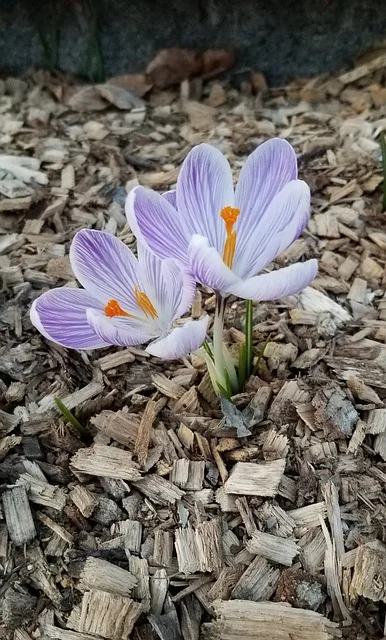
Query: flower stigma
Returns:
{"type": "Point", "coordinates": [229, 215]}
{"type": "Point", "coordinates": [113, 309]}
{"type": "Point", "coordinates": [145, 303]}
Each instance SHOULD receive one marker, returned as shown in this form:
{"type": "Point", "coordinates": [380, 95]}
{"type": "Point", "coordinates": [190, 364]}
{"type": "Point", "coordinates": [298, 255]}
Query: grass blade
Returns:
{"type": "Point", "coordinates": [79, 428]}
{"type": "Point", "coordinates": [383, 149]}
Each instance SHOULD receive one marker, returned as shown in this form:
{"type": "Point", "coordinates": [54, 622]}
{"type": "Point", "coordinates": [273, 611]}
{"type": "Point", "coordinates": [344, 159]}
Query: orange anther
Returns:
{"type": "Point", "coordinates": [229, 215]}
{"type": "Point", "coordinates": [145, 303]}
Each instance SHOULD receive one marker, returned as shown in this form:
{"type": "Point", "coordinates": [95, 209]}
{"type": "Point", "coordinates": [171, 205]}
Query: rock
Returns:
{"type": "Point", "coordinates": [300, 589]}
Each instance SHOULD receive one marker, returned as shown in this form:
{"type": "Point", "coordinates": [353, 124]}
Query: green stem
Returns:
{"type": "Point", "coordinates": [249, 337]}
{"type": "Point", "coordinates": [383, 148]}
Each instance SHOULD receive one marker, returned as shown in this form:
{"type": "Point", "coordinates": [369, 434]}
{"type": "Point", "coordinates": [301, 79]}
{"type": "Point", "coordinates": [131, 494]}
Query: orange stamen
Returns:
{"type": "Point", "coordinates": [145, 303]}
{"type": "Point", "coordinates": [113, 309]}
{"type": "Point", "coordinates": [229, 215]}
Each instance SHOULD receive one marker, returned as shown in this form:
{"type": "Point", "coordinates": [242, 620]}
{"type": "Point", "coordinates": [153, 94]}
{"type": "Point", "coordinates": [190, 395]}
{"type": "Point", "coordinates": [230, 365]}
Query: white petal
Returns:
{"type": "Point", "coordinates": [207, 266]}
{"type": "Point", "coordinates": [277, 284]}
{"type": "Point", "coordinates": [181, 340]}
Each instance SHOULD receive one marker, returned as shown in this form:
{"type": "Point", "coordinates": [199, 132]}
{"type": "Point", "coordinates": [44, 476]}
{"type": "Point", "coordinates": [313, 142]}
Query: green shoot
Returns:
{"type": "Point", "coordinates": [246, 350]}
{"type": "Point", "coordinates": [383, 148]}
{"type": "Point", "coordinates": [78, 428]}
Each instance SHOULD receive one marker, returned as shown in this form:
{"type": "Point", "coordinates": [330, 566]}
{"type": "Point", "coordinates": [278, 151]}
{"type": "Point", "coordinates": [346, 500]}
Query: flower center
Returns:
{"type": "Point", "coordinates": [229, 215]}
{"type": "Point", "coordinates": [114, 309]}
{"type": "Point", "coordinates": [145, 303]}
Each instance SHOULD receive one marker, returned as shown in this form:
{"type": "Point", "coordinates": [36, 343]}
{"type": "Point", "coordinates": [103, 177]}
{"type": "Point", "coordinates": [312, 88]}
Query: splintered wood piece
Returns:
{"type": "Point", "coordinates": [188, 474]}
{"type": "Point", "coordinates": [190, 618]}
{"type": "Point", "coordinates": [167, 626]}
{"type": "Point", "coordinates": [222, 587]}
{"type": "Point", "coordinates": [276, 520]}
{"type": "Point", "coordinates": [132, 531]}
{"type": "Point", "coordinates": [66, 536]}
{"type": "Point", "coordinates": [200, 549]}
{"type": "Point", "coordinates": [243, 618]}
{"type": "Point", "coordinates": [168, 387]}
{"type": "Point", "coordinates": [144, 431]}
{"type": "Point", "coordinates": [159, 584]}
{"type": "Point", "coordinates": [279, 550]}
{"type": "Point", "coordinates": [140, 570]}
{"type": "Point", "coordinates": [73, 400]}
{"type": "Point", "coordinates": [121, 427]}
{"type": "Point", "coordinates": [56, 633]}
{"type": "Point", "coordinates": [363, 70]}
{"type": "Point", "coordinates": [313, 549]}
{"type": "Point", "coordinates": [163, 548]}
{"type": "Point", "coordinates": [283, 406]}
{"type": "Point", "coordinates": [186, 550]}
{"type": "Point", "coordinates": [376, 421]}
{"type": "Point", "coordinates": [275, 445]}
{"type": "Point", "coordinates": [108, 615]}
{"type": "Point", "coordinates": [308, 516]}
{"type": "Point", "coordinates": [18, 516]}
{"type": "Point", "coordinates": [331, 497]}
{"type": "Point", "coordinates": [332, 574]}
{"type": "Point", "coordinates": [369, 578]}
{"type": "Point", "coordinates": [258, 405]}
{"type": "Point", "coordinates": [209, 545]}
{"type": "Point", "coordinates": [258, 582]}
{"type": "Point", "coordinates": [84, 500]}
{"type": "Point", "coordinates": [106, 461]}
{"type": "Point", "coordinates": [40, 574]}
{"type": "Point", "coordinates": [158, 489]}
{"type": "Point", "coordinates": [255, 479]}
{"type": "Point", "coordinates": [41, 492]}
{"type": "Point", "coordinates": [105, 576]}
{"type": "Point", "coordinates": [247, 515]}
{"type": "Point", "coordinates": [116, 359]}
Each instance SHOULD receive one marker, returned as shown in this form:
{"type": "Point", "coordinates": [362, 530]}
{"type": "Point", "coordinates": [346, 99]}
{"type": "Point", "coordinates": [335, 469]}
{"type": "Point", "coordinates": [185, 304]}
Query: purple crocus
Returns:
{"type": "Point", "coordinates": [125, 301]}
{"type": "Point", "coordinates": [225, 237]}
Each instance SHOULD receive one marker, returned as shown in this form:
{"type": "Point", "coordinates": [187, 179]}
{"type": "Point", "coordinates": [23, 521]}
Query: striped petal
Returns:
{"type": "Point", "coordinates": [204, 188]}
{"type": "Point", "coordinates": [122, 332]}
{"type": "Point", "coordinates": [264, 174]}
{"type": "Point", "coordinates": [170, 287]}
{"type": "Point", "coordinates": [105, 266]}
{"type": "Point", "coordinates": [61, 316]}
{"type": "Point", "coordinates": [156, 224]}
{"type": "Point", "coordinates": [181, 340]}
{"type": "Point", "coordinates": [281, 223]}
{"type": "Point", "coordinates": [277, 284]}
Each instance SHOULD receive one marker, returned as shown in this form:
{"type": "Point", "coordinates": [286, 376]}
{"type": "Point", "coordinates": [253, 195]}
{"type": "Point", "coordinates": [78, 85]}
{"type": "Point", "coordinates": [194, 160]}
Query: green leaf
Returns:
{"type": "Point", "coordinates": [79, 428]}
{"type": "Point", "coordinates": [383, 148]}
{"type": "Point", "coordinates": [224, 392]}
{"type": "Point", "coordinates": [208, 349]}
{"type": "Point", "coordinates": [246, 349]}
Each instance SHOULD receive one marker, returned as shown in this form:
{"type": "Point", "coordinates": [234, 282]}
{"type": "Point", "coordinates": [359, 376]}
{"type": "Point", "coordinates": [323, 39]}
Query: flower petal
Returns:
{"type": "Point", "coordinates": [282, 222]}
{"type": "Point", "coordinates": [122, 332]}
{"type": "Point", "coordinates": [277, 284]}
{"type": "Point", "coordinates": [167, 284]}
{"type": "Point", "coordinates": [263, 175]}
{"type": "Point", "coordinates": [105, 266]}
{"type": "Point", "coordinates": [207, 266]}
{"type": "Point", "coordinates": [156, 223]}
{"type": "Point", "coordinates": [61, 316]}
{"type": "Point", "coordinates": [171, 197]}
{"type": "Point", "coordinates": [204, 188]}
{"type": "Point", "coordinates": [181, 340]}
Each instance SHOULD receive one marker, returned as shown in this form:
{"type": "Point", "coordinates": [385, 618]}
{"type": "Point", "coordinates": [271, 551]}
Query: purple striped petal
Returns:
{"type": "Point", "coordinates": [264, 174]}
{"type": "Point", "coordinates": [171, 197]}
{"type": "Point", "coordinates": [156, 224]}
{"type": "Point", "coordinates": [105, 266]}
{"type": "Point", "coordinates": [169, 286]}
{"type": "Point", "coordinates": [277, 284]}
{"type": "Point", "coordinates": [204, 188]}
{"type": "Point", "coordinates": [61, 316]}
{"type": "Point", "coordinates": [282, 222]}
{"type": "Point", "coordinates": [122, 332]}
{"type": "Point", "coordinates": [207, 266]}
{"type": "Point", "coordinates": [181, 340]}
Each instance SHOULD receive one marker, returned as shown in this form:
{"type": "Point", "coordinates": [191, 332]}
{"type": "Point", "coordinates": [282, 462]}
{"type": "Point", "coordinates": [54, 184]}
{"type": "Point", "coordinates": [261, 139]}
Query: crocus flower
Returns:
{"type": "Point", "coordinates": [125, 301]}
{"type": "Point", "coordinates": [225, 237]}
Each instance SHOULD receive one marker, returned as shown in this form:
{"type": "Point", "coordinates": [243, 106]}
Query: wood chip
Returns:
{"type": "Point", "coordinates": [106, 461]}
{"type": "Point", "coordinates": [255, 479]}
{"type": "Point", "coordinates": [18, 516]}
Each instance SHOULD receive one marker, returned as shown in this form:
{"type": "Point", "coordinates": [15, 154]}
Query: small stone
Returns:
{"type": "Point", "coordinates": [300, 589]}
{"type": "Point", "coordinates": [106, 511]}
